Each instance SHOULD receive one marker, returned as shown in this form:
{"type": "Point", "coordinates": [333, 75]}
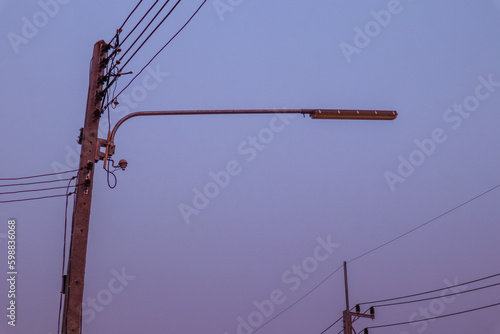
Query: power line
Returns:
{"type": "Point", "coordinates": [31, 183]}
{"type": "Point", "coordinates": [135, 77]}
{"type": "Point", "coordinates": [327, 328]}
{"type": "Point", "coordinates": [144, 30]}
{"type": "Point", "coordinates": [140, 21]}
{"type": "Point", "coordinates": [297, 301]}
{"type": "Point", "coordinates": [34, 176]}
{"type": "Point", "coordinates": [31, 199]}
{"type": "Point", "coordinates": [430, 298]}
{"type": "Point", "coordinates": [32, 190]}
{"type": "Point", "coordinates": [437, 317]}
{"type": "Point", "coordinates": [366, 253]}
{"type": "Point", "coordinates": [430, 291]}
{"type": "Point", "coordinates": [426, 223]}
{"type": "Point", "coordinates": [64, 251]}
{"type": "Point", "coordinates": [113, 81]}
{"type": "Point", "coordinates": [124, 22]}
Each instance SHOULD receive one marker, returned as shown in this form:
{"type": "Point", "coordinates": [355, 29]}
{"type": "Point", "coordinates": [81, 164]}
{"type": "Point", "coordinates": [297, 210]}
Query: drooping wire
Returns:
{"type": "Point", "coordinates": [32, 183]}
{"type": "Point", "coordinates": [108, 172]}
{"type": "Point", "coordinates": [31, 199]}
{"type": "Point", "coordinates": [430, 291]}
{"type": "Point", "coordinates": [35, 176]}
{"type": "Point", "coordinates": [424, 224]}
{"type": "Point", "coordinates": [437, 317]}
{"type": "Point", "coordinates": [138, 23]}
{"type": "Point", "coordinates": [113, 81]}
{"type": "Point", "coordinates": [327, 328]}
{"type": "Point", "coordinates": [298, 300]}
{"type": "Point", "coordinates": [31, 190]}
{"type": "Point", "coordinates": [144, 30]}
{"type": "Point", "coordinates": [64, 251]}
{"type": "Point", "coordinates": [156, 55]}
{"type": "Point", "coordinates": [124, 22]}
{"type": "Point", "coordinates": [430, 298]}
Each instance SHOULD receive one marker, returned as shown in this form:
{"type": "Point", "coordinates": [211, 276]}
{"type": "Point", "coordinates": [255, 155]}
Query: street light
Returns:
{"type": "Point", "coordinates": [354, 114]}
{"type": "Point", "coordinates": [313, 113]}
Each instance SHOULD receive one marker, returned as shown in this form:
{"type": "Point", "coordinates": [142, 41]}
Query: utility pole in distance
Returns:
{"type": "Point", "coordinates": [73, 281]}
{"type": "Point", "coordinates": [348, 315]}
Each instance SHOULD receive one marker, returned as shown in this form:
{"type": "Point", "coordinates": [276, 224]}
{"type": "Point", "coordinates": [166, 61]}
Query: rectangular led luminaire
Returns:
{"type": "Point", "coordinates": [354, 114]}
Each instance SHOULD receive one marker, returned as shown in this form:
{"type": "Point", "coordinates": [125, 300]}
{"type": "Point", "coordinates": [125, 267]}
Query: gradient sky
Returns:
{"type": "Point", "coordinates": [351, 184]}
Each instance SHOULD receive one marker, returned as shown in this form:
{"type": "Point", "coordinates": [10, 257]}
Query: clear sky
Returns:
{"type": "Point", "coordinates": [221, 223]}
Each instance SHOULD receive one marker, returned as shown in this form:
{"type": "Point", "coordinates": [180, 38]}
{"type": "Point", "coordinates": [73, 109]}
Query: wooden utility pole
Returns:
{"type": "Point", "coordinates": [348, 315]}
{"type": "Point", "coordinates": [73, 281]}
{"type": "Point", "coordinates": [347, 312]}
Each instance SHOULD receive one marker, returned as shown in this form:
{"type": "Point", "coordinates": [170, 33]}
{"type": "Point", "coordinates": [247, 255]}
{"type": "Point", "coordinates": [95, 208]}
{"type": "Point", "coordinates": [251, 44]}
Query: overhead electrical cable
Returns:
{"type": "Point", "coordinates": [138, 23]}
{"type": "Point", "coordinates": [144, 30]}
{"type": "Point", "coordinates": [113, 81]}
{"type": "Point", "coordinates": [32, 183]}
{"type": "Point", "coordinates": [64, 251]}
{"type": "Point", "coordinates": [424, 224]}
{"type": "Point", "coordinates": [124, 22]}
{"type": "Point", "coordinates": [431, 298]}
{"type": "Point", "coordinates": [31, 190]}
{"type": "Point", "coordinates": [430, 291]}
{"type": "Point", "coordinates": [323, 332]}
{"type": "Point", "coordinates": [31, 199]}
{"type": "Point", "coordinates": [35, 176]}
{"type": "Point", "coordinates": [437, 317]}
{"type": "Point", "coordinates": [298, 300]}
{"type": "Point", "coordinates": [164, 46]}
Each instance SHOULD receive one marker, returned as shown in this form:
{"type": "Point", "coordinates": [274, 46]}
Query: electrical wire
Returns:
{"type": "Point", "coordinates": [31, 183]}
{"type": "Point", "coordinates": [113, 81]}
{"type": "Point", "coordinates": [437, 317]}
{"type": "Point", "coordinates": [298, 300]}
{"type": "Point", "coordinates": [156, 55]}
{"type": "Point", "coordinates": [144, 30]}
{"type": "Point", "coordinates": [124, 22]}
{"type": "Point", "coordinates": [31, 190]}
{"type": "Point", "coordinates": [430, 291]}
{"type": "Point", "coordinates": [327, 328]}
{"type": "Point", "coordinates": [426, 223]}
{"type": "Point", "coordinates": [34, 176]}
{"type": "Point", "coordinates": [31, 199]}
{"type": "Point", "coordinates": [64, 251]}
{"type": "Point", "coordinates": [430, 298]}
{"type": "Point", "coordinates": [138, 23]}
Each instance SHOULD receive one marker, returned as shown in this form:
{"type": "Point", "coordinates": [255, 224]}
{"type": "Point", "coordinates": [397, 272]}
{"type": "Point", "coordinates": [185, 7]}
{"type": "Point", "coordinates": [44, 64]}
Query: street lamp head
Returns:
{"type": "Point", "coordinates": [353, 114]}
